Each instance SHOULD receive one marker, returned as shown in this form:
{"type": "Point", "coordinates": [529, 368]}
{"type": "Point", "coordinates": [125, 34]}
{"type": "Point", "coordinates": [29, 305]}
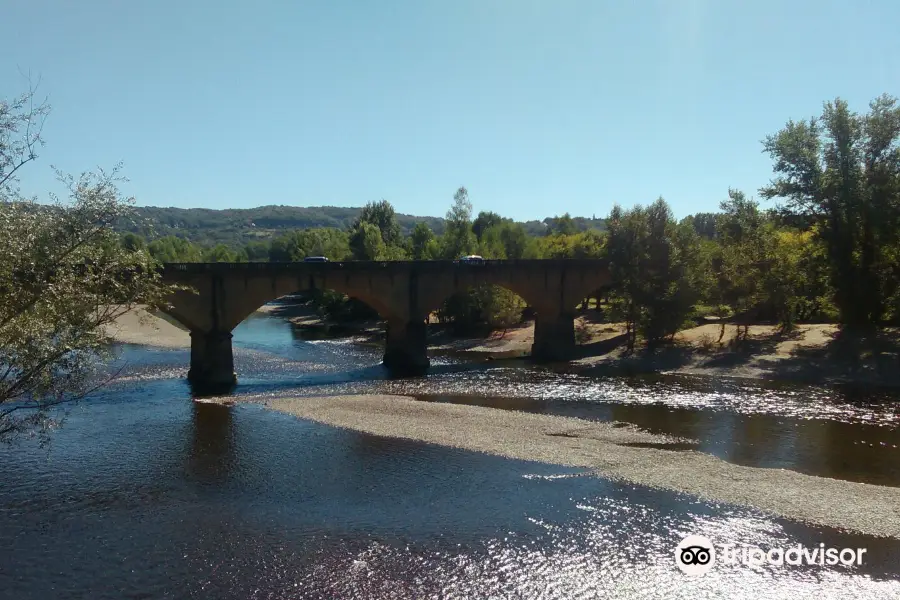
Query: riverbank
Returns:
{"type": "Point", "coordinates": [614, 451]}
{"type": "Point", "coordinates": [816, 353]}
{"type": "Point", "coordinates": [138, 326]}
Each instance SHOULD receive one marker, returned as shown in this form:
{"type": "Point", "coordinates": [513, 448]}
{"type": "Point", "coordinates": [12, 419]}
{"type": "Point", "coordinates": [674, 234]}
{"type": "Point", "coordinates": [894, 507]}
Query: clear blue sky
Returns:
{"type": "Point", "coordinates": [538, 107]}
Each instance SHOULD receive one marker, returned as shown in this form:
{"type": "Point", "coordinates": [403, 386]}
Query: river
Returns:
{"type": "Point", "coordinates": [144, 493]}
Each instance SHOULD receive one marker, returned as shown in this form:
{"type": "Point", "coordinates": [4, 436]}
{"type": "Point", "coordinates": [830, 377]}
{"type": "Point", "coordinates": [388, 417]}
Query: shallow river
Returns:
{"type": "Point", "coordinates": [145, 493]}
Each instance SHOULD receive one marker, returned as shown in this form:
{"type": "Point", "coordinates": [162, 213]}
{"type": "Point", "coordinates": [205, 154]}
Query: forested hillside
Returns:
{"type": "Point", "coordinates": [238, 227]}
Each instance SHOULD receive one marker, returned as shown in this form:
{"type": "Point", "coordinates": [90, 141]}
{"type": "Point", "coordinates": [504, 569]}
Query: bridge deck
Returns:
{"type": "Point", "coordinates": [365, 265]}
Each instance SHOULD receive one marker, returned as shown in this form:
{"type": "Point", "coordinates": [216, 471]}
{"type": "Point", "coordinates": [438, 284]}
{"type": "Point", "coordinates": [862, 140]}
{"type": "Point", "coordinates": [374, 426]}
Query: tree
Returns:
{"type": "Point", "coordinates": [222, 253]}
{"type": "Point", "coordinates": [656, 266]}
{"type": "Point", "coordinates": [366, 242]}
{"type": "Point", "coordinates": [500, 308]}
{"type": "Point", "coordinates": [743, 260]}
{"type": "Point", "coordinates": [297, 245]}
{"type": "Point", "coordinates": [422, 244]}
{"type": "Point", "coordinates": [841, 172]}
{"type": "Point", "coordinates": [381, 215]}
{"type": "Point", "coordinates": [257, 251]}
{"type": "Point", "coordinates": [490, 245]}
{"type": "Point", "coordinates": [516, 242]}
{"type": "Point", "coordinates": [174, 249]}
{"type": "Point", "coordinates": [458, 239]}
{"type": "Point", "coordinates": [704, 224]}
{"type": "Point", "coordinates": [133, 242]}
{"type": "Point", "coordinates": [563, 225]}
{"type": "Point", "coordinates": [65, 277]}
{"type": "Point", "coordinates": [485, 220]}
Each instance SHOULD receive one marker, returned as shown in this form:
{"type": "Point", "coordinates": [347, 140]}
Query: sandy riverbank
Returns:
{"type": "Point", "coordinates": [609, 450]}
{"type": "Point", "coordinates": [140, 327]}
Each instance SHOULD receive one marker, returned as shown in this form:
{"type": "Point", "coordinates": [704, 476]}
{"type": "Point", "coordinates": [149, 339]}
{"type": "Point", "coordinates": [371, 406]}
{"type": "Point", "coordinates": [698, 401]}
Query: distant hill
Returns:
{"type": "Point", "coordinates": [237, 226]}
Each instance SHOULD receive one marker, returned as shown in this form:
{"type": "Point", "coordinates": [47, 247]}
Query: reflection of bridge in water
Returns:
{"type": "Point", "coordinates": [403, 293]}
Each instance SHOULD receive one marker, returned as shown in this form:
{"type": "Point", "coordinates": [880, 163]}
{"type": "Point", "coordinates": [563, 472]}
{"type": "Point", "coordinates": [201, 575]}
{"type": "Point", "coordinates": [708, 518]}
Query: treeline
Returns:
{"type": "Point", "coordinates": [238, 227]}
{"type": "Point", "coordinates": [827, 250]}
{"type": "Point", "coordinates": [376, 234]}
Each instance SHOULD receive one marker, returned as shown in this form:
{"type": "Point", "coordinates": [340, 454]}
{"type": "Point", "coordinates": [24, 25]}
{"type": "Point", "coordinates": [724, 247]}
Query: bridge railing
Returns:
{"type": "Point", "coordinates": [365, 265]}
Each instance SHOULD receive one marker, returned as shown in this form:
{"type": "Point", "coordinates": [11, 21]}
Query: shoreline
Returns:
{"type": "Point", "coordinates": [811, 354]}
{"type": "Point", "coordinates": [609, 450]}
{"type": "Point", "coordinates": [615, 451]}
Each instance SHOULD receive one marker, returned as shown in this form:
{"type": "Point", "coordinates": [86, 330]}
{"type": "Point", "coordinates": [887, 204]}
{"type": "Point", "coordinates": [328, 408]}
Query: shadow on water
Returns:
{"type": "Point", "coordinates": [213, 452]}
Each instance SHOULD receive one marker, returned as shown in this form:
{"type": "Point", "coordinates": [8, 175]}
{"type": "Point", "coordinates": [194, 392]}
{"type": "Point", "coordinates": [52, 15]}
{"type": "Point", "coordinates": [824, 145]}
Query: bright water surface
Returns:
{"type": "Point", "coordinates": [147, 494]}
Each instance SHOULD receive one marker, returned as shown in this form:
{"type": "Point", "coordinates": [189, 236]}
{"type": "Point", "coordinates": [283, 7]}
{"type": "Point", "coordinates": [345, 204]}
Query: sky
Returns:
{"type": "Point", "coordinates": [537, 107]}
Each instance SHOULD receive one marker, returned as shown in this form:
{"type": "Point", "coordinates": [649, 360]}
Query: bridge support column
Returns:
{"type": "Point", "coordinates": [405, 351]}
{"type": "Point", "coordinates": [554, 337]}
{"type": "Point", "coordinates": [212, 361]}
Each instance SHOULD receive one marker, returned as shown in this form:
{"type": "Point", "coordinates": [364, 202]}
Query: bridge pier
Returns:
{"type": "Point", "coordinates": [212, 361]}
{"type": "Point", "coordinates": [406, 348]}
{"type": "Point", "coordinates": [554, 337]}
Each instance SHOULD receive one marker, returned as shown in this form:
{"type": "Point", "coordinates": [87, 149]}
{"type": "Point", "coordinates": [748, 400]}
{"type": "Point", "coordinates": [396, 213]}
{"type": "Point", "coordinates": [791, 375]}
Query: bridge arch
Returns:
{"type": "Point", "coordinates": [216, 305]}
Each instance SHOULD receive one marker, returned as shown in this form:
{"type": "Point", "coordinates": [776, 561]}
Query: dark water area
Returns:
{"type": "Point", "coordinates": [146, 493]}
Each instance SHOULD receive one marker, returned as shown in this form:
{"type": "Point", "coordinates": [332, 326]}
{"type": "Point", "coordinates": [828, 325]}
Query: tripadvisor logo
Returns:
{"type": "Point", "coordinates": [696, 555]}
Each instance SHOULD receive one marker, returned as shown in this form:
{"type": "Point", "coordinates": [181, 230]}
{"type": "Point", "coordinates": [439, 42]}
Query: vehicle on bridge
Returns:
{"type": "Point", "coordinates": [472, 259]}
{"type": "Point", "coordinates": [316, 259]}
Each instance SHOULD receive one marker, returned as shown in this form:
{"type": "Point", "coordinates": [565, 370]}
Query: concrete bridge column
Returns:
{"type": "Point", "coordinates": [212, 361]}
{"type": "Point", "coordinates": [554, 337]}
{"type": "Point", "coordinates": [405, 351]}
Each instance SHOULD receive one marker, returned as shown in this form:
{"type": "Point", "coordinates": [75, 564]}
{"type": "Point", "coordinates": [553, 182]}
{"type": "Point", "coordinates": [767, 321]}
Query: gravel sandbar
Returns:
{"type": "Point", "coordinates": [612, 451]}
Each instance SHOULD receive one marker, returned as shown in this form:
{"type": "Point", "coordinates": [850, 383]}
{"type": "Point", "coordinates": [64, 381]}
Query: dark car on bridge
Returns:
{"type": "Point", "coordinates": [315, 259]}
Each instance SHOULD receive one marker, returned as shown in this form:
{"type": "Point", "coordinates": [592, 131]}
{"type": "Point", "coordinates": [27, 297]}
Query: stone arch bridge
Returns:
{"type": "Point", "coordinates": [403, 293]}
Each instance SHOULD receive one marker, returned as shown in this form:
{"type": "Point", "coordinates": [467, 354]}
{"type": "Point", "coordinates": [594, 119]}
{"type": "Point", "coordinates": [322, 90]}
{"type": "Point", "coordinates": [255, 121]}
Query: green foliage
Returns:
{"type": "Point", "coordinates": [563, 225]}
{"type": "Point", "coordinates": [65, 276]}
{"type": "Point", "coordinates": [841, 171]}
{"type": "Point", "coordinates": [133, 242]}
{"type": "Point", "coordinates": [657, 270]}
{"type": "Point", "coordinates": [237, 227]}
{"type": "Point", "coordinates": [485, 221]}
{"type": "Point", "coordinates": [744, 257]}
{"type": "Point", "coordinates": [587, 244]}
{"type": "Point", "coordinates": [487, 306]}
{"type": "Point", "coordinates": [222, 253]}
{"type": "Point", "coordinates": [173, 249]}
{"type": "Point", "coordinates": [422, 243]}
{"type": "Point", "coordinates": [458, 239]}
{"type": "Point", "coordinates": [257, 251]}
{"type": "Point", "coordinates": [499, 307]}
{"type": "Point", "coordinates": [376, 235]}
{"type": "Point", "coordinates": [366, 242]}
{"type": "Point", "coordinates": [704, 224]}
{"type": "Point", "coordinates": [297, 245]}
{"type": "Point", "coordinates": [381, 215]}
{"type": "Point", "coordinates": [491, 245]}
{"type": "Point", "coordinates": [337, 307]}
{"type": "Point", "coordinates": [516, 241]}
{"type": "Point", "coordinates": [493, 238]}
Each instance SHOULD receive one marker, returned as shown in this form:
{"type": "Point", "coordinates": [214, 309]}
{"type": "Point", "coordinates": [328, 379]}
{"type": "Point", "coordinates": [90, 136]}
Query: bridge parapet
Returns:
{"type": "Point", "coordinates": [388, 265]}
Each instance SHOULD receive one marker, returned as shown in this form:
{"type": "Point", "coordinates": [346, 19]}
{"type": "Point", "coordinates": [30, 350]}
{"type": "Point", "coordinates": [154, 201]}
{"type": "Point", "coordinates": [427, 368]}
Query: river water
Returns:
{"type": "Point", "coordinates": [145, 493]}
